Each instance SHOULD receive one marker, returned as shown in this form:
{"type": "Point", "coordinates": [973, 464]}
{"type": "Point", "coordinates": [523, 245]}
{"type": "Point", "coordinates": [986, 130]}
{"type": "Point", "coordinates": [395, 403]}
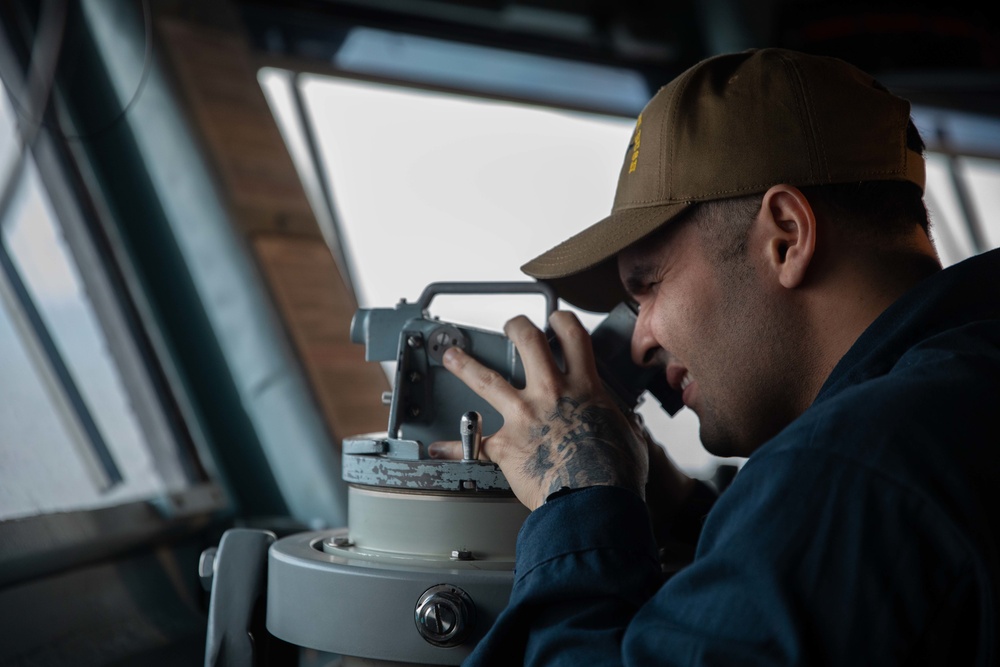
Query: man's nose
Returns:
{"type": "Point", "coordinates": [645, 349]}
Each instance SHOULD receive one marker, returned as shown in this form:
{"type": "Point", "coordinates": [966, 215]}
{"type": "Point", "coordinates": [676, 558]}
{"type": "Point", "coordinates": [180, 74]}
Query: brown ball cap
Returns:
{"type": "Point", "coordinates": [730, 126]}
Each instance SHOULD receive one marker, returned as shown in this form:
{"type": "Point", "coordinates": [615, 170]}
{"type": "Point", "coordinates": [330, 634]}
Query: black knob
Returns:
{"type": "Point", "coordinates": [444, 615]}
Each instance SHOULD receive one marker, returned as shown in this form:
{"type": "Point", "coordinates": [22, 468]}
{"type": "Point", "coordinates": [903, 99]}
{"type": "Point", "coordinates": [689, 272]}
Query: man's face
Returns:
{"type": "Point", "coordinates": [716, 329]}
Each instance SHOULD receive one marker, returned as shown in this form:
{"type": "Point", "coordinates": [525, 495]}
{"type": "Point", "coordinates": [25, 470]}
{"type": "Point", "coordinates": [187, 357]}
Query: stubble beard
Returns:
{"type": "Point", "coordinates": [751, 391]}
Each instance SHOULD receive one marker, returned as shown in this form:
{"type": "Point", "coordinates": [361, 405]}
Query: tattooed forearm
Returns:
{"type": "Point", "coordinates": [585, 445]}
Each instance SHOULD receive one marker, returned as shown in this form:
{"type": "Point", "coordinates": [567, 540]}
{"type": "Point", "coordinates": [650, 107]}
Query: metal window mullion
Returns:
{"type": "Point", "coordinates": [159, 438]}
{"type": "Point", "coordinates": [56, 377]}
{"type": "Point", "coordinates": [48, 361]}
{"type": "Point", "coordinates": [151, 402]}
{"type": "Point", "coordinates": [335, 234]}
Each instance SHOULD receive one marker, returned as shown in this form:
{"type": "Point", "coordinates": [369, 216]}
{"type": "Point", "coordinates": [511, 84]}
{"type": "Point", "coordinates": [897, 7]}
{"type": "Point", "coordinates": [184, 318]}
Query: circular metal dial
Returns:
{"type": "Point", "coordinates": [442, 338]}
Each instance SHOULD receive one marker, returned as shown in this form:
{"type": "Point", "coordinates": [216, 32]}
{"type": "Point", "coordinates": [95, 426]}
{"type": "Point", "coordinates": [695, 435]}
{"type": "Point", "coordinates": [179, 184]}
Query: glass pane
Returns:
{"type": "Point", "coordinates": [46, 458]}
{"type": "Point", "coordinates": [948, 227]}
{"type": "Point", "coordinates": [430, 186]}
{"type": "Point", "coordinates": [983, 178]}
{"type": "Point", "coordinates": [39, 471]}
{"type": "Point", "coordinates": [435, 187]}
{"type": "Point", "coordinates": [464, 189]}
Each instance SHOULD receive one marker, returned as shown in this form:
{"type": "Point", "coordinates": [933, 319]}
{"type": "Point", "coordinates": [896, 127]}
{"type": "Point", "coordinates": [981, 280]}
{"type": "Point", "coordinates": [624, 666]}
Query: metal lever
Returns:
{"type": "Point", "coordinates": [472, 435]}
{"type": "Point", "coordinates": [237, 634]}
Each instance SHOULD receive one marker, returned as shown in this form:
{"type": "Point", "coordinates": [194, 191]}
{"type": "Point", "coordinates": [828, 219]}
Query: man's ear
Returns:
{"type": "Point", "coordinates": [788, 225]}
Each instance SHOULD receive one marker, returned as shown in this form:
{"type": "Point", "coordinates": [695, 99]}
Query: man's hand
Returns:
{"type": "Point", "coordinates": [562, 429]}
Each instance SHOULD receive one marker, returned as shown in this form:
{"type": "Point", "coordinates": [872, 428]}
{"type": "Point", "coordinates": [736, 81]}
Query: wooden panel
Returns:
{"type": "Point", "coordinates": [215, 72]}
{"type": "Point", "coordinates": [301, 274]}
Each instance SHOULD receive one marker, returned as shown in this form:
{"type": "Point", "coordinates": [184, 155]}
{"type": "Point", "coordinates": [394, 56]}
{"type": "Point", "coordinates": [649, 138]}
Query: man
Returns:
{"type": "Point", "coordinates": [769, 225]}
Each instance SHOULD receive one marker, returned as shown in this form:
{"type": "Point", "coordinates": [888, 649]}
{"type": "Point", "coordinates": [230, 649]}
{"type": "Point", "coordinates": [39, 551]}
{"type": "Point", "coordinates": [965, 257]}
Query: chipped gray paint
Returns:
{"type": "Point", "coordinates": [376, 470]}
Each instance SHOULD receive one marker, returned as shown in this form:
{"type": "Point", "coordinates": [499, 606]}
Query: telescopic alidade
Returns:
{"type": "Point", "coordinates": [425, 564]}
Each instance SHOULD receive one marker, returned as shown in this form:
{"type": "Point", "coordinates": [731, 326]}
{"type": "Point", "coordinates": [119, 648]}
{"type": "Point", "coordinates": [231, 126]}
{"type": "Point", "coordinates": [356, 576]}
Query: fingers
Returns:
{"type": "Point", "coordinates": [486, 382]}
{"type": "Point", "coordinates": [531, 344]}
{"type": "Point", "coordinates": [577, 348]}
{"type": "Point", "coordinates": [451, 450]}
{"type": "Point", "coordinates": [539, 364]}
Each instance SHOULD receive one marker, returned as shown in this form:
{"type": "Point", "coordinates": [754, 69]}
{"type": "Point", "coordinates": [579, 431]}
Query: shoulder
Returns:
{"type": "Point", "coordinates": [917, 449]}
{"type": "Point", "coordinates": [934, 402]}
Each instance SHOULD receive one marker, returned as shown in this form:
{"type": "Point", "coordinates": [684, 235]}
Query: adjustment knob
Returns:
{"type": "Point", "coordinates": [444, 615]}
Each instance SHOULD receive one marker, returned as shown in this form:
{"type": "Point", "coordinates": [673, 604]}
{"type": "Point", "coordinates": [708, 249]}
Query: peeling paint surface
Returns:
{"type": "Point", "coordinates": [377, 470]}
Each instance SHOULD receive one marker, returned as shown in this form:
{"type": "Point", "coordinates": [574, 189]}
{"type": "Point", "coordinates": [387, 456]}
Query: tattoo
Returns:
{"type": "Point", "coordinates": [542, 463]}
{"type": "Point", "coordinates": [539, 432]}
{"type": "Point", "coordinates": [565, 410]}
{"type": "Point", "coordinates": [592, 446]}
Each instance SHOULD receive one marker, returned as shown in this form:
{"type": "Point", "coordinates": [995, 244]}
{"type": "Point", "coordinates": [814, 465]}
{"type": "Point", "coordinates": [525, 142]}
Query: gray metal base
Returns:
{"type": "Point", "coordinates": [365, 607]}
{"type": "Point", "coordinates": [393, 524]}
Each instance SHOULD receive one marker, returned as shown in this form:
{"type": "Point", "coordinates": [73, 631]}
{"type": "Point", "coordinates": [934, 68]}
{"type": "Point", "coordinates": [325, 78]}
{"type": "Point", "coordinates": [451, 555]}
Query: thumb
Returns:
{"type": "Point", "coordinates": [445, 449]}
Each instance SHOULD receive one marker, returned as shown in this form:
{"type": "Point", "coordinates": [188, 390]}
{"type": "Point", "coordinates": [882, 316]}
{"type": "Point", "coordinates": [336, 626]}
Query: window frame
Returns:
{"type": "Point", "coordinates": [936, 125]}
{"type": "Point", "coordinates": [47, 542]}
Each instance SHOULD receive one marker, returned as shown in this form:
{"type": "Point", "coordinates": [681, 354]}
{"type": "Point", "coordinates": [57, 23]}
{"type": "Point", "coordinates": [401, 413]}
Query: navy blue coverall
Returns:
{"type": "Point", "coordinates": [865, 533]}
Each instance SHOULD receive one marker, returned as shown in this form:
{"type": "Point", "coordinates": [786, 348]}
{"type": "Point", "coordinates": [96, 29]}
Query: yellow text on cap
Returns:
{"type": "Point", "coordinates": [635, 144]}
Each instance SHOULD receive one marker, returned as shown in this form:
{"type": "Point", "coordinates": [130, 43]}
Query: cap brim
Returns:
{"type": "Point", "coordinates": [584, 269]}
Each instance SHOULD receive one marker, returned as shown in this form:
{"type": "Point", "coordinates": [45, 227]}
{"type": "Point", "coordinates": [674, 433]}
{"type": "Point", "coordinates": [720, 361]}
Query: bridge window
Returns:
{"type": "Point", "coordinates": [414, 185]}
